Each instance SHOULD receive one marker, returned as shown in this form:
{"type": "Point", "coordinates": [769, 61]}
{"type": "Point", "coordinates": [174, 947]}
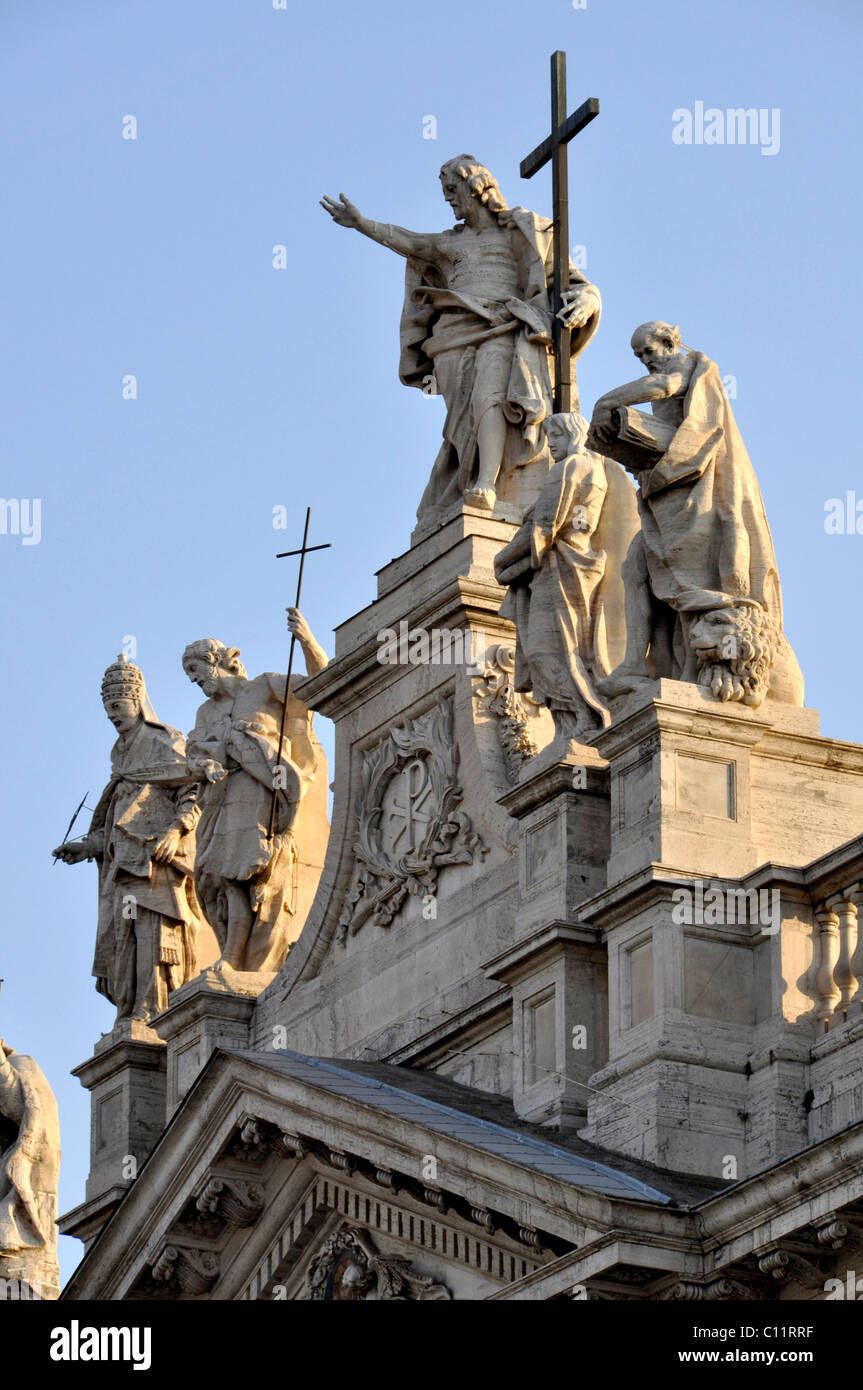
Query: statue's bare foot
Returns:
{"type": "Point", "coordinates": [482, 497]}
{"type": "Point", "coordinates": [622, 682]}
{"type": "Point", "coordinates": [223, 966]}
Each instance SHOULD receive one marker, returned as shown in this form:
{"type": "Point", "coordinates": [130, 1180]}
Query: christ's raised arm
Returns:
{"type": "Point", "coordinates": [419, 244]}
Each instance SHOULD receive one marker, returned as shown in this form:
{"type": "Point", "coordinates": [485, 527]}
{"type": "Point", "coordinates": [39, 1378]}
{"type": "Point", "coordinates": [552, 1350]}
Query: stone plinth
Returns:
{"type": "Point", "coordinates": [559, 1020]}
{"type": "Point", "coordinates": [562, 814]}
{"type": "Point", "coordinates": [710, 927]}
{"type": "Point", "coordinates": [556, 969]}
{"type": "Point", "coordinates": [126, 1080]}
{"type": "Point", "coordinates": [210, 1011]}
{"type": "Point", "coordinates": [717, 789]}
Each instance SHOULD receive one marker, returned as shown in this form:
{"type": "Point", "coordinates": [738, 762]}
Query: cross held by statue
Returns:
{"type": "Point", "coordinates": [304, 550]}
{"type": "Point", "coordinates": [554, 148]}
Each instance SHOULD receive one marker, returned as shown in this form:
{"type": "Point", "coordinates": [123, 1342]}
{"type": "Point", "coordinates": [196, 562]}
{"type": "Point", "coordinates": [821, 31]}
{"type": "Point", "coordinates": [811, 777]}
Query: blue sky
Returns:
{"type": "Point", "coordinates": [258, 387]}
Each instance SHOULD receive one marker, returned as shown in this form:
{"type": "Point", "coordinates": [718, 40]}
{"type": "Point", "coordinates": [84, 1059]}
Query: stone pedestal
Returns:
{"type": "Point", "coordinates": [717, 789]}
{"type": "Point", "coordinates": [29, 1277]}
{"type": "Point", "coordinates": [508, 509]}
{"type": "Point", "coordinates": [211, 1011]}
{"type": "Point", "coordinates": [557, 968]}
{"type": "Point", "coordinates": [715, 811]}
{"type": "Point", "coordinates": [563, 844]}
{"type": "Point", "coordinates": [126, 1080]}
{"type": "Point", "coordinates": [559, 1020]}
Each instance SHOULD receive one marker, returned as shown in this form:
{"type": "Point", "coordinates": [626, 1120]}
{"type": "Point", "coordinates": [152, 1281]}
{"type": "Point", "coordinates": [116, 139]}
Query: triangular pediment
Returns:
{"type": "Point", "coordinates": [271, 1154]}
{"type": "Point", "coordinates": [289, 1178]}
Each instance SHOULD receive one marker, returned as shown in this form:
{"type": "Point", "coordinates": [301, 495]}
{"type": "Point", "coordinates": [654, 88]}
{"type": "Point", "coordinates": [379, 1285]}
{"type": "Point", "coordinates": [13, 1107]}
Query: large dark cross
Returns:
{"type": "Point", "coordinates": [303, 551]}
{"type": "Point", "coordinates": [553, 148]}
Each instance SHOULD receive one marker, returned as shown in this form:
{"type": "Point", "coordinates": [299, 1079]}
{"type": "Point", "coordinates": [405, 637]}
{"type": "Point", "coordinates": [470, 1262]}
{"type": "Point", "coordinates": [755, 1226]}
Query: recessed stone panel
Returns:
{"type": "Point", "coordinates": [719, 980]}
{"type": "Point", "coordinates": [188, 1067]}
{"type": "Point", "coordinates": [638, 792]}
{"type": "Point", "coordinates": [705, 786]}
{"type": "Point", "coordinates": [110, 1117]}
{"type": "Point", "coordinates": [641, 983]}
{"type": "Point", "coordinates": [542, 851]}
{"type": "Point", "coordinates": [541, 1038]}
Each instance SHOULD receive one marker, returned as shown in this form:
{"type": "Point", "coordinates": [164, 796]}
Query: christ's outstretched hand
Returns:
{"type": "Point", "coordinates": [344, 212]}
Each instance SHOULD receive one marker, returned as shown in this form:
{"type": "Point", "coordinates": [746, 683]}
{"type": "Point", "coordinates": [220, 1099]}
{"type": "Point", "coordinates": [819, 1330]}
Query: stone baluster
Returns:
{"type": "Point", "coordinates": [854, 894]}
{"type": "Point", "coordinates": [828, 954]}
{"type": "Point", "coordinates": [843, 972]}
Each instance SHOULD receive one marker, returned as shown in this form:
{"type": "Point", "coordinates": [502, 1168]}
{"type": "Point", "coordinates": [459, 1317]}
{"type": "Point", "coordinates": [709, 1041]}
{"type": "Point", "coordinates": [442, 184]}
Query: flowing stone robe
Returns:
{"type": "Point", "coordinates": [29, 1173]}
{"type": "Point", "coordinates": [232, 847]}
{"type": "Point", "coordinates": [566, 594]}
{"type": "Point", "coordinates": [704, 528]}
{"type": "Point", "coordinates": [450, 292]}
{"type": "Point", "coordinates": [140, 959]}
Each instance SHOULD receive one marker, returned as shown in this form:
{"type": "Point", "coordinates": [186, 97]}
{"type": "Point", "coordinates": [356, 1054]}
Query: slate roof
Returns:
{"type": "Point", "coordinates": [486, 1121]}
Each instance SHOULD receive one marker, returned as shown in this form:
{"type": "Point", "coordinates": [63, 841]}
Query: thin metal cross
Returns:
{"type": "Point", "coordinates": [81, 807]}
{"type": "Point", "coordinates": [553, 148]}
{"type": "Point", "coordinates": [303, 551]}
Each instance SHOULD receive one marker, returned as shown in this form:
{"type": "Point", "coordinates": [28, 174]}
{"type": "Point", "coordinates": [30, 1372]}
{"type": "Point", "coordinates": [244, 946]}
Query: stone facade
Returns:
{"type": "Point", "coordinates": [576, 1010]}
{"type": "Point", "coordinates": [592, 1028]}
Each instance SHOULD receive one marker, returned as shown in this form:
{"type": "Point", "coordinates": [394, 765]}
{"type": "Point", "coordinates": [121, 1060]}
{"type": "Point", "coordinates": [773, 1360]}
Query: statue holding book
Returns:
{"type": "Point", "coordinates": [703, 599]}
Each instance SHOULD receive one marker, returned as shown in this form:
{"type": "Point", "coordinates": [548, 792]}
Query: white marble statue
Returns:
{"type": "Point", "coordinates": [704, 602]}
{"type": "Point", "coordinates": [476, 327]}
{"type": "Point", "coordinates": [142, 836]}
{"type": "Point", "coordinates": [247, 883]}
{"type": "Point", "coordinates": [29, 1173]}
{"type": "Point", "coordinates": [563, 572]}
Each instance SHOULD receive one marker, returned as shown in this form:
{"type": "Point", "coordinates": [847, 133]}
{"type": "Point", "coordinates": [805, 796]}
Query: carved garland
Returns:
{"type": "Point", "coordinates": [381, 882]}
{"type": "Point", "coordinates": [348, 1268]}
{"type": "Point", "coordinates": [498, 696]}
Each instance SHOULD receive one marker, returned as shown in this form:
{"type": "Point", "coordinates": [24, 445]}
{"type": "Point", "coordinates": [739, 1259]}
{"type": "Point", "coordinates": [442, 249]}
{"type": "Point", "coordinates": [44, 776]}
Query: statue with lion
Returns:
{"type": "Point", "coordinates": [703, 599]}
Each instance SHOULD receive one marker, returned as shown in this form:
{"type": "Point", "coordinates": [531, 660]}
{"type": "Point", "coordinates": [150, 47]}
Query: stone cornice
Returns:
{"type": "Point", "coordinates": [123, 1053]}
{"type": "Point", "coordinates": [539, 784]}
{"type": "Point", "coordinates": [543, 945]}
{"type": "Point", "coordinates": [351, 679]}
{"type": "Point", "coordinates": [806, 1181]}
{"type": "Point", "coordinates": [655, 883]}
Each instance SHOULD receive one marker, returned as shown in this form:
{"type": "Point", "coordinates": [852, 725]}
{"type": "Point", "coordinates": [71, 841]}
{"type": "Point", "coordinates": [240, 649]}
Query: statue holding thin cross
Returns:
{"type": "Point", "coordinates": [484, 305]}
{"type": "Point", "coordinates": [255, 878]}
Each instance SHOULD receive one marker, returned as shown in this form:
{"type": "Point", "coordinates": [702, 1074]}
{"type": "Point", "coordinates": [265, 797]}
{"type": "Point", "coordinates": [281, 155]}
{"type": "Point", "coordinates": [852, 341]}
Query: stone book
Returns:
{"type": "Point", "coordinates": [641, 440]}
